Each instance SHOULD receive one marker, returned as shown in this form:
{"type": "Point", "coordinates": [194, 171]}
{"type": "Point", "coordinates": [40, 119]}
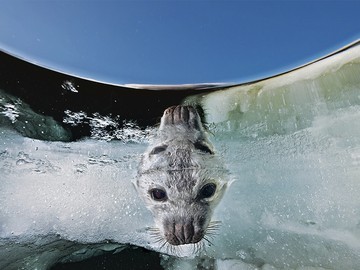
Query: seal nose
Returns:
{"type": "Point", "coordinates": [182, 232]}
{"type": "Point", "coordinates": [181, 115]}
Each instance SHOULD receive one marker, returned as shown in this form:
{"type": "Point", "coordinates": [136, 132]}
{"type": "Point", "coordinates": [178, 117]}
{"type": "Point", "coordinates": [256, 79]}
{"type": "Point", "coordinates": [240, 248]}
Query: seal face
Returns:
{"type": "Point", "coordinates": [180, 179]}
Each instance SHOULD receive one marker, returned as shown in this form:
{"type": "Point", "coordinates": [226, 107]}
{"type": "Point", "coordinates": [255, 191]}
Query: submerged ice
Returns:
{"type": "Point", "coordinates": [17, 115]}
{"type": "Point", "coordinates": [295, 199]}
{"type": "Point", "coordinates": [291, 145]}
{"type": "Point", "coordinates": [53, 193]}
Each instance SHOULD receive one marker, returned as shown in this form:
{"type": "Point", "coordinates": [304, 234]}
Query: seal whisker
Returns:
{"type": "Point", "coordinates": [195, 248]}
{"type": "Point", "coordinates": [164, 245]}
{"type": "Point", "coordinates": [201, 246]}
{"type": "Point", "coordinates": [158, 240]}
{"type": "Point", "coordinates": [153, 230]}
{"type": "Point", "coordinates": [198, 247]}
{"type": "Point", "coordinates": [213, 231]}
{"type": "Point", "coordinates": [208, 240]}
{"type": "Point", "coordinates": [215, 223]}
{"type": "Point", "coordinates": [156, 236]}
{"type": "Point", "coordinates": [213, 227]}
{"type": "Point", "coordinates": [171, 249]}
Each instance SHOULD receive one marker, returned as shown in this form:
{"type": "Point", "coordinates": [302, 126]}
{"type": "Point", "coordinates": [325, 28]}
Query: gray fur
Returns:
{"type": "Point", "coordinates": [180, 162]}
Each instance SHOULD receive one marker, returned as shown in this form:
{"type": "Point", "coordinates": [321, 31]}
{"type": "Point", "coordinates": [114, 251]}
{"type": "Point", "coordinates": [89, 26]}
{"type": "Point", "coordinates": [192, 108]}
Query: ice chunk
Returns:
{"type": "Point", "coordinates": [17, 115]}
{"type": "Point", "coordinates": [81, 192]}
{"type": "Point", "coordinates": [288, 102]}
{"type": "Point", "coordinates": [109, 127]}
{"type": "Point", "coordinates": [69, 85]}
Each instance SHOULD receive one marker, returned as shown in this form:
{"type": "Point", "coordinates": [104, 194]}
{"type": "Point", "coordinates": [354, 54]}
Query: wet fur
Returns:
{"type": "Point", "coordinates": [181, 161]}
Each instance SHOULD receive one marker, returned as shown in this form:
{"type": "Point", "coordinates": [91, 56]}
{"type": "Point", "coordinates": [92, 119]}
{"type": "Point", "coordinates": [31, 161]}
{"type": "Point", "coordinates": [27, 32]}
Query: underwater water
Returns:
{"type": "Point", "coordinates": [291, 145]}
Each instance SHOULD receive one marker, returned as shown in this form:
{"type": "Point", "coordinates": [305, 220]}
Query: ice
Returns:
{"type": "Point", "coordinates": [80, 192]}
{"type": "Point", "coordinates": [288, 102]}
{"type": "Point", "coordinates": [298, 198]}
{"type": "Point", "coordinates": [109, 127]}
{"type": "Point", "coordinates": [291, 145]}
{"type": "Point", "coordinates": [66, 184]}
{"type": "Point", "coordinates": [69, 85]}
{"type": "Point", "coordinates": [17, 115]}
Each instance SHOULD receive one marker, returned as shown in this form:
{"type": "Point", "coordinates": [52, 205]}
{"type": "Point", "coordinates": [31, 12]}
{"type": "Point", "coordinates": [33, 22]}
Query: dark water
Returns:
{"type": "Point", "coordinates": [134, 258]}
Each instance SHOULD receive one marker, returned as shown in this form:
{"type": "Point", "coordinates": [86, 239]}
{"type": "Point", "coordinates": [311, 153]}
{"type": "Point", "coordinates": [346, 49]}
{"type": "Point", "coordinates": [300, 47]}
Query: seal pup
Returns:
{"type": "Point", "coordinates": [181, 179]}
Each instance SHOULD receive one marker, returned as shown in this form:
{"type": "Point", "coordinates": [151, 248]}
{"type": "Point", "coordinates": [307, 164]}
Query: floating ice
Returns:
{"type": "Point", "coordinates": [17, 115]}
{"type": "Point", "coordinates": [68, 85]}
{"type": "Point", "coordinates": [10, 111]}
{"type": "Point", "coordinates": [108, 127]}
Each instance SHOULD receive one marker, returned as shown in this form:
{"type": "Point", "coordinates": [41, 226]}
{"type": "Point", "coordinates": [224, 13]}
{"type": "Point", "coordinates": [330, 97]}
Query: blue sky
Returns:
{"type": "Point", "coordinates": [175, 42]}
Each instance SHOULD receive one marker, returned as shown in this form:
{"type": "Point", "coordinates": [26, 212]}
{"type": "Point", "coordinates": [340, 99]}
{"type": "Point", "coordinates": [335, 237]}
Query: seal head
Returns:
{"type": "Point", "coordinates": [180, 178]}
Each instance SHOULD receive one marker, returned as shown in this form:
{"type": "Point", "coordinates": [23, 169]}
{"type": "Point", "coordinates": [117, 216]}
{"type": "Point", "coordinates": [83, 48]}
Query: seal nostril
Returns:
{"type": "Point", "coordinates": [171, 234]}
{"type": "Point", "coordinates": [172, 116]}
{"type": "Point", "coordinates": [179, 233]}
{"type": "Point", "coordinates": [188, 232]}
{"type": "Point", "coordinates": [185, 114]}
{"type": "Point", "coordinates": [179, 111]}
{"type": "Point", "coordinates": [199, 231]}
{"type": "Point", "coordinates": [198, 235]}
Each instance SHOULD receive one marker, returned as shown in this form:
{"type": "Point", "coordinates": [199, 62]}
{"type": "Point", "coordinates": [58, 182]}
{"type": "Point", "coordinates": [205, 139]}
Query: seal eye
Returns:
{"type": "Point", "coordinates": [207, 191]}
{"type": "Point", "coordinates": [203, 148]}
{"type": "Point", "coordinates": [158, 194]}
{"type": "Point", "coordinates": [158, 149]}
